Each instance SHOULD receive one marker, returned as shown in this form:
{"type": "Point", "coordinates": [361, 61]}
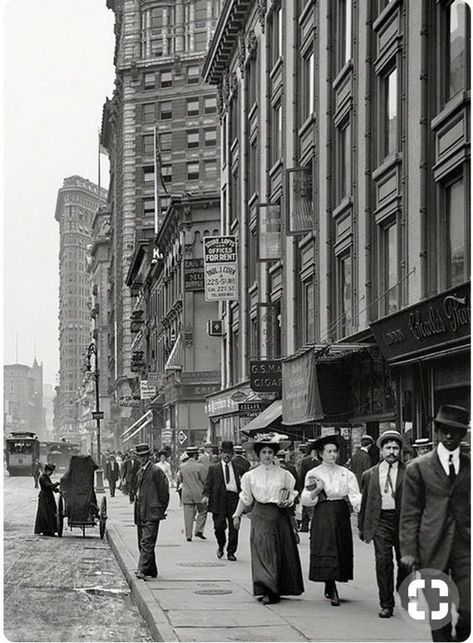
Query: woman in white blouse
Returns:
{"type": "Point", "coordinates": [275, 562]}
{"type": "Point", "coordinates": [330, 489]}
{"type": "Point", "coordinates": [164, 465]}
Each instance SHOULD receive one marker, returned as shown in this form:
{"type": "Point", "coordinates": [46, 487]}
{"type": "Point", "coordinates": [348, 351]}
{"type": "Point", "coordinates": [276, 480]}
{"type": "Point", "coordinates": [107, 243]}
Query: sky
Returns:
{"type": "Point", "coordinates": [57, 71]}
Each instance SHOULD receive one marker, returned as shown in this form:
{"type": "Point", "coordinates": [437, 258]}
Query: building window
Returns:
{"type": "Point", "coordinates": [192, 139]}
{"type": "Point", "coordinates": [235, 195]}
{"type": "Point", "coordinates": [210, 168]}
{"type": "Point", "coordinates": [149, 115]}
{"type": "Point", "coordinates": [458, 47]}
{"type": "Point", "coordinates": [344, 31]}
{"type": "Point", "coordinates": [308, 84]}
{"type": "Point", "coordinates": [193, 75]}
{"type": "Point", "coordinates": [148, 173]}
{"type": "Point", "coordinates": [149, 81]}
{"type": "Point", "coordinates": [252, 81]}
{"type": "Point", "coordinates": [276, 34]}
{"type": "Point", "coordinates": [235, 356]}
{"type": "Point", "coordinates": [192, 107]}
{"type": "Point", "coordinates": [165, 110]}
{"type": "Point", "coordinates": [148, 207]}
{"type": "Point", "coordinates": [253, 167]}
{"type": "Point", "coordinates": [344, 294]}
{"type": "Point", "coordinates": [234, 119]}
{"type": "Point", "coordinates": [210, 136]}
{"type": "Point", "coordinates": [389, 113]}
{"type": "Point", "coordinates": [254, 348]}
{"type": "Point", "coordinates": [456, 234]}
{"type": "Point", "coordinates": [166, 79]}
{"type": "Point", "coordinates": [276, 133]}
{"type": "Point", "coordinates": [193, 171]}
{"type": "Point", "coordinates": [210, 105]}
{"type": "Point", "coordinates": [148, 144]}
{"type": "Point", "coordinates": [166, 174]}
{"type": "Point", "coordinates": [390, 269]}
{"type": "Point", "coordinates": [165, 142]}
{"type": "Point", "coordinates": [343, 170]}
{"type": "Point", "coordinates": [252, 254]}
{"type": "Point", "coordinates": [308, 311]}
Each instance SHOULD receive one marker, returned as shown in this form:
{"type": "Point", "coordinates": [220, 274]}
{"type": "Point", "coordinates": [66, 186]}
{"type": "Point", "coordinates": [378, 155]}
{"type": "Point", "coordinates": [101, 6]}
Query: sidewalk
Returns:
{"type": "Point", "coordinates": [200, 598]}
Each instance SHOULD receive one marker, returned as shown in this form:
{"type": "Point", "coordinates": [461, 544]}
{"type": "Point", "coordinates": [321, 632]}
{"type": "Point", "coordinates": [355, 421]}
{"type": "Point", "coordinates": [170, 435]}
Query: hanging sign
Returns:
{"type": "Point", "coordinates": [147, 390]}
{"type": "Point", "coordinates": [182, 437]}
{"type": "Point", "coordinates": [221, 268]}
{"type": "Point", "coordinates": [269, 232]}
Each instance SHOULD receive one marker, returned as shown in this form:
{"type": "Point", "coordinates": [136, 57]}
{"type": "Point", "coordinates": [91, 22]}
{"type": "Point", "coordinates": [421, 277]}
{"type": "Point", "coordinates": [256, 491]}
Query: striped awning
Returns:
{"type": "Point", "coordinates": [175, 359]}
{"type": "Point", "coordinates": [267, 417]}
{"type": "Point", "coordinates": [146, 417]}
{"type": "Point", "coordinates": [137, 430]}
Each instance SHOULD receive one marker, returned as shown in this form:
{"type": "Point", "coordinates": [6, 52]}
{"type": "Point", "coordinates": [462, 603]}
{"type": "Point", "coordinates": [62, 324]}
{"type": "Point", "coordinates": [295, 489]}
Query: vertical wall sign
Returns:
{"type": "Point", "coordinates": [221, 268]}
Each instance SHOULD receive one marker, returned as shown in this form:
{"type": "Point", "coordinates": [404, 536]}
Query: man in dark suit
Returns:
{"type": "Point", "coordinates": [284, 464]}
{"type": "Point", "coordinates": [130, 475]}
{"type": "Point", "coordinates": [378, 519]}
{"type": "Point", "coordinates": [152, 499]}
{"type": "Point", "coordinates": [361, 460]}
{"type": "Point", "coordinates": [309, 462]}
{"type": "Point", "coordinates": [221, 492]}
{"type": "Point", "coordinates": [435, 513]}
{"type": "Point", "coordinates": [112, 474]}
{"type": "Point", "coordinates": [239, 458]}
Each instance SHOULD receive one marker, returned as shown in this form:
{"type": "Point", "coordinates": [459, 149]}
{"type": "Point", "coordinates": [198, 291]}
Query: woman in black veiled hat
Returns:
{"type": "Point", "coordinates": [46, 514]}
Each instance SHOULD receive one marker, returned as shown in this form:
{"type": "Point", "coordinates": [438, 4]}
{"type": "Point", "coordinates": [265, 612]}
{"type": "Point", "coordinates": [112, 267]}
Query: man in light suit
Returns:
{"type": "Point", "coordinates": [378, 519]}
{"type": "Point", "coordinates": [221, 493]}
{"type": "Point", "coordinates": [152, 499]}
{"type": "Point", "coordinates": [192, 476]}
{"type": "Point", "coordinates": [435, 513]}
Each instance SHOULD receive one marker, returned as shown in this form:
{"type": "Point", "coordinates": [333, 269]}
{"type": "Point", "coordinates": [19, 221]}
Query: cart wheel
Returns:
{"type": "Point", "coordinates": [103, 517]}
{"type": "Point", "coordinates": [60, 516]}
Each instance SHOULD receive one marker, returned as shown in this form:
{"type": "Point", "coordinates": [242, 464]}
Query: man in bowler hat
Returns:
{"type": "Point", "coordinates": [435, 513]}
{"type": "Point", "coordinates": [151, 502]}
{"type": "Point", "coordinates": [378, 519]}
{"type": "Point", "coordinates": [221, 493]}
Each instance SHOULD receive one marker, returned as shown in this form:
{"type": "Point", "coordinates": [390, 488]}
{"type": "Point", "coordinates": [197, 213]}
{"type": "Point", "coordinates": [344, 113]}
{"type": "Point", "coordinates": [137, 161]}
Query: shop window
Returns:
{"type": "Point", "coordinates": [344, 294]}
{"type": "Point", "coordinates": [165, 110]}
{"type": "Point", "coordinates": [165, 142]}
{"type": "Point", "coordinates": [192, 139]}
{"type": "Point", "coordinates": [455, 234]}
{"type": "Point", "coordinates": [457, 51]}
{"type": "Point", "coordinates": [343, 169]}
{"type": "Point", "coordinates": [192, 107]}
{"type": "Point", "coordinates": [166, 79]}
{"type": "Point", "coordinates": [193, 171]}
{"type": "Point", "coordinates": [210, 105]}
{"type": "Point", "coordinates": [210, 137]}
{"type": "Point", "coordinates": [276, 133]}
{"type": "Point", "coordinates": [389, 123]}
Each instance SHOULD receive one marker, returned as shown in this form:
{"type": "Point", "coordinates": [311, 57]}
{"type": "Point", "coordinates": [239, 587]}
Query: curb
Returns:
{"type": "Point", "coordinates": [155, 618]}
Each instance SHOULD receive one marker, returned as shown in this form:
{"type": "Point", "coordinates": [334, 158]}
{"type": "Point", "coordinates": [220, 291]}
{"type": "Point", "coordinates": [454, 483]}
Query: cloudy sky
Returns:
{"type": "Point", "coordinates": [58, 69]}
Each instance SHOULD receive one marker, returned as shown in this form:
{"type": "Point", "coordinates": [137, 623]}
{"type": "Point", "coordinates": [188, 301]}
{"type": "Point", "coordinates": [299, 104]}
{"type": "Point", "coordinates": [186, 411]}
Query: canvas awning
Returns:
{"type": "Point", "coordinates": [146, 417]}
{"type": "Point", "coordinates": [174, 362]}
{"type": "Point", "coordinates": [267, 417]}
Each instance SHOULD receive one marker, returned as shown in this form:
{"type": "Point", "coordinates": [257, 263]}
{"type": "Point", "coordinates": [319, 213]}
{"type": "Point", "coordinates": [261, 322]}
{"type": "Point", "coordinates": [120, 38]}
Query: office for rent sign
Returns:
{"type": "Point", "coordinates": [220, 268]}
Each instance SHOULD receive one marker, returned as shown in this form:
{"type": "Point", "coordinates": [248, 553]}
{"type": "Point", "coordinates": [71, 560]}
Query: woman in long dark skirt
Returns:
{"type": "Point", "coordinates": [46, 515]}
{"type": "Point", "coordinates": [329, 488]}
{"type": "Point", "coordinates": [275, 562]}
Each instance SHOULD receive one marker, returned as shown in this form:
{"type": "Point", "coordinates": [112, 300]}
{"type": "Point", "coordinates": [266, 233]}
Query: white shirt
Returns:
{"type": "Point", "coordinates": [166, 468]}
{"type": "Point", "coordinates": [231, 485]}
{"type": "Point", "coordinates": [365, 449]}
{"type": "Point", "coordinates": [339, 483]}
{"type": "Point", "coordinates": [444, 457]}
{"type": "Point", "coordinates": [264, 484]}
{"type": "Point", "coordinates": [387, 500]}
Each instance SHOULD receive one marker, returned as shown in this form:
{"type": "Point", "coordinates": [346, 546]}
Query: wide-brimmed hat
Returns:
{"type": "Point", "coordinates": [142, 449]}
{"type": "Point", "coordinates": [390, 434]}
{"type": "Point", "coordinates": [422, 442]}
{"type": "Point", "coordinates": [367, 437]}
{"type": "Point", "coordinates": [319, 443]}
{"type": "Point", "coordinates": [456, 417]}
{"type": "Point", "coordinates": [49, 467]}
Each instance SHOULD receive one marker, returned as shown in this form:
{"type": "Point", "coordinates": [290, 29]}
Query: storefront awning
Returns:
{"type": "Point", "coordinates": [175, 360]}
{"type": "Point", "coordinates": [146, 417]}
{"type": "Point", "coordinates": [137, 430]}
{"type": "Point", "coordinates": [270, 415]}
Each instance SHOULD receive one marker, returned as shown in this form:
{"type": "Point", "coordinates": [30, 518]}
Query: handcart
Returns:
{"type": "Point", "coordinates": [77, 499]}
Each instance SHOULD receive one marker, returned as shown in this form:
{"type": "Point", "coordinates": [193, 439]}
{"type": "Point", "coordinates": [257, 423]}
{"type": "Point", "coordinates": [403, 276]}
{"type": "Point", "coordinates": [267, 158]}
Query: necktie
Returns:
{"type": "Point", "coordinates": [451, 469]}
{"type": "Point", "coordinates": [389, 482]}
{"type": "Point", "coordinates": [227, 473]}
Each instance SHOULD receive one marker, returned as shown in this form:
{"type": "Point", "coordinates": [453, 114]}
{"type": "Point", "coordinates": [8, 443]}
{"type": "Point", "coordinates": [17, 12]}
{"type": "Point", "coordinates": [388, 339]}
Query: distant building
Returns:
{"type": "Point", "coordinates": [23, 398]}
{"type": "Point", "coordinates": [77, 203]}
{"type": "Point", "coordinates": [48, 401]}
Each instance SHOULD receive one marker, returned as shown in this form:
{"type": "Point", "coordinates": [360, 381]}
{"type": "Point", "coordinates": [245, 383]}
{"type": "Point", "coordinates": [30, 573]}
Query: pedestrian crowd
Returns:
{"type": "Point", "coordinates": [415, 510]}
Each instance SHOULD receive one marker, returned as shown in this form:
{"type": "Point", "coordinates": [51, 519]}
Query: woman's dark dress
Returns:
{"type": "Point", "coordinates": [46, 514]}
{"type": "Point", "coordinates": [331, 542]}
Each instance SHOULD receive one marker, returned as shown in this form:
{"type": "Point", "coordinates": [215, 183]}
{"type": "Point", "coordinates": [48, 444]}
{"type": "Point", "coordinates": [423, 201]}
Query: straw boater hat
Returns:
{"type": "Point", "coordinates": [192, 450]}
{"type": "Point", "coordinates": [390, 434]}
{"type": "Point", "coordinates": [142, 449]}
{"type": "Point", "coordinates": [422, 442]}
{"type": "Point", "coordinates": [238, 448]}
{"type": "Point", "coordinates": [273, 439]}
{"type": "Point", "coordinates": [367, 437]}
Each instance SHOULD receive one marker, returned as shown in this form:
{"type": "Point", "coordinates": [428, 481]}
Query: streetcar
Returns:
{"type": "Point", "coordinates": [60, 453]}
{"type": "Point", "coordinates": [22, 447]}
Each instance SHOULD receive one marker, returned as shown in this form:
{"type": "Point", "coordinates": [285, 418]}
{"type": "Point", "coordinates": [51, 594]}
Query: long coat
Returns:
{"type": "Point", "coordinates": [215, 488]}
{"type": "Point", "coordinates": [112, 470]}
{"type": "Point", "coordinates": [192, 474]}
{"type": "Point", "coordinates": [46, 513]}
{"type": "Point", "coordinates": [153, 495]}
{"type": "Point", "coordinates": [370, 510]}
{"type": "Point", "coordinates": [360, 462]}
{"type": "Point", "coordinates": [433, 508]}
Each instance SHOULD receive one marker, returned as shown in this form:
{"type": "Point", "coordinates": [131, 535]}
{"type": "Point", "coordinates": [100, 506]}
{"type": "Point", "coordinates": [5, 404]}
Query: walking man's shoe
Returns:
{"type": "Point", "coordinates": [200, 535]}
{"type": "Point", "coordinates": [219, 553]}
{"type": "Point", "coordinates": [386, 612]}
{"type": "Point", "coordinates": [189, 540]}
{"type": "Point", "coordinates": [231, 557]}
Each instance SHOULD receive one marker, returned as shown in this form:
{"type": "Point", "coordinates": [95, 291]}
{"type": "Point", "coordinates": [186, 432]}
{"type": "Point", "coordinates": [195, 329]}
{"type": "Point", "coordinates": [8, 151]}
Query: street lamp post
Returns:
{"type": "Point", "coordinates": [93, 350]}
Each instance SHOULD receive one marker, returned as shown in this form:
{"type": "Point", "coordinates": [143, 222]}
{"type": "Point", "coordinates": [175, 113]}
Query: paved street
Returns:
{"type": "Point", "coordinates": [200, 598]}
{"type": "Point", "coordinates": [61, 589]}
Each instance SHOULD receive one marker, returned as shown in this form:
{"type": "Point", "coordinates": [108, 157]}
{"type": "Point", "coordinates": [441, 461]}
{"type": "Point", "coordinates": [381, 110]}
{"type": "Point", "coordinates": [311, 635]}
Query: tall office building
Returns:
{"type": "Point", "coordinates": [77, 203]}
{"type": "Point", "coordinates": [23, 398]}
